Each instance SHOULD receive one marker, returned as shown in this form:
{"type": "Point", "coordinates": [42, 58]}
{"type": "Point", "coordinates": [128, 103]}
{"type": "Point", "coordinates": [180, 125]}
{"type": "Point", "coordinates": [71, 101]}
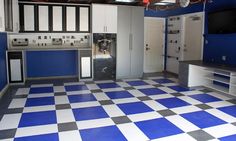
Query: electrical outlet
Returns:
{"type": "Point", "coordinates": [224, 58]}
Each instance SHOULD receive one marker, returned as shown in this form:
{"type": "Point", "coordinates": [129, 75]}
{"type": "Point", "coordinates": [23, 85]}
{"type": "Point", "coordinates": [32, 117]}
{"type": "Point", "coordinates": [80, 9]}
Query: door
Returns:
{"type": "Point", "coordinates": [57, 18]}
{"type": "Point", "coordinates": [84, 19]}
{"type": "Point", "coordinates": [43, 18]}
{"type": "Point", "coordinates": [71, 18]}
{"type": "Point", "coordinates": [99, 18]}
{"type": "Point", "coordinates": [137, 41]}
{"type": "Point", "coordinates": [123, 43]}
{"type": "Point", "coordinates": [154, 43]}
{"type": "Point", "coordinates": [193, 36]}
{"type": "Point", "coordinates": [111, 19]}
{"type": "Point", "coordinates": [29, 24]}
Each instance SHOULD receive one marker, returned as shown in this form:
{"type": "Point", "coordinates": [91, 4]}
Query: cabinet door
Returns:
{"type": "Point", "coordinates": [137, 40]}
{"type": "Point", "coordinates": [99, 18]}
{"type": "Point", "coordinates": [71, 18]}
{"type": "Point", "coordinates": [43, 18]}
{"type": "Point", "coordinates": [29, 23]}
{"type": "Point", "coordinates": [84, 19]}
{"type": "Point", "coordinates": [57, 18]}
{"type": "Point", "coordinates": [111, 19]}
{"type": "Point", "coordinates": [123, 43]}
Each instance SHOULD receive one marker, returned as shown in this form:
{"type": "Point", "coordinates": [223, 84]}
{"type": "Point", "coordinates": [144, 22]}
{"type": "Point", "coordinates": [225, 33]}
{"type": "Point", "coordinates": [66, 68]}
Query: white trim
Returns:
{"type": "Point", "coordinates": [4, 90]}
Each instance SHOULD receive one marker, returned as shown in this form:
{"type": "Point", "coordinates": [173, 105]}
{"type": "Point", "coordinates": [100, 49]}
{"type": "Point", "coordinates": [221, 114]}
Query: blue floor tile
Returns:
{"type": "Point", "coordinates": [108, 85]}
{"type": "Point", "coordinates": [172, 102]}
{"type": "Point", "coordinates": [76, 88]}
{"type": "Point", "coordinates": [40, 101]}
{"type": "Point", "coordinates": [231, 110]}
{"type": "Point", "coordinates": [152, 91]}
{"type": "Point", "coordinates": [81, 98]}
{"type": "Point", "coordinates": [163, 81]}
{"type": "Point", "coordinates": [137, 83]}
{"type": "Point", "coordinates": [134, 108]}
{"type": "Point", "coordinates": [109, 133]}
{"type": "Point", "coordinates": [119, 94]}
{"type": "Point", "coordinates": [46, 137]}
{"type": "Point", "coordinates": [228, 138]}
{"type": "Point", "coordinates": [203, 119]}
{"type": "Point", "coordinates": [38, 118]}
{"type": "Point", "coordinates": [179, 88]}
{"type": "Point", "coordinates": [205, 98]}
{"type": "Point", "coordinates": [41, 90]}
{"type": "Point", "coordinates": [158, 128]}
{"type": "Point", "coordinates": [89, 113]}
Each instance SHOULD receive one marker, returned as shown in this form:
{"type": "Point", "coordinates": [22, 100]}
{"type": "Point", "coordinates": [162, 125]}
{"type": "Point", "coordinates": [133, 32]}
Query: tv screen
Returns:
{"type": "Point", "coordinates": [222, 22]}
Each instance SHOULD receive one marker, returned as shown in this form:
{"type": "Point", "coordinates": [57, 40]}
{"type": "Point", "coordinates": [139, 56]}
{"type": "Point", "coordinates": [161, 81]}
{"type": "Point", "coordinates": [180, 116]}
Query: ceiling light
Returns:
{"type": "Point", "coordinates": [163, 3]}
{"type": "Point", "coordinates": [168, 1]}
{"type": "Point", "coordinates": [126, 1]}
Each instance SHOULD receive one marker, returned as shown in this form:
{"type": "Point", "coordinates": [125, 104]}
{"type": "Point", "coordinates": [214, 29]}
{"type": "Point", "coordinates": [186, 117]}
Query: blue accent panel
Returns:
{"type": "Point", "coordinates": [51, 63]}
{"type": "Point", "coordinates": [218, 45]}
{"type": "Point", "coordinates": [153, 13]}
{"type": "Point", "coordinates": [3, 66]}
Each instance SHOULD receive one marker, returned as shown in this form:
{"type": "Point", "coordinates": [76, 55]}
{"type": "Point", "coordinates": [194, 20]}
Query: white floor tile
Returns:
{"type": "Point", "coordinates": [167, 90]}
{"type": "Point", "coordinates": [36, 130]}
{"type": "Point", "coordinates": [40, 95]}
{"type": "Point", "coordinates": [104, 81]}
{"type": "Point", "coordinates": [162, 96]}
{"type": "Point", "coordinates": [92, 86]}
{"type": "Point", "coordinates": [10, 121]}
{"type": "Point", "coordinates": [39, 108]}
{"type": "Point", "coordinates": [125, 100]}
{"type": "Point", "coordinates": [22, 91]}
{"type": "Point", "coordinates": [221, 130]}
{"type": "Point", "coordinates": [113, 110]}
{"type": "Point", "coordinates": [41, 85]}
{"type": "Point", "coordinates": [179, 137]}
{"type": "Point", "coordinates": [61, 100]}
{"type": "Point", "coordinates": [70, 135]}
{"type": "Point", "coordinates": [220, 96]}
{"type": "Point", "coordinates": [85, 104]}
{"type": "Point", "coordinates": [17, 103]}
{"type": "Point", "coordinates": [59, 88]}
{"type": "Point", "coordinates": [150, 82]}
{"type": "Point", "coordinates": [123, 84]}
{"type": "Point", "coordinates": [154, 105]}
{"type": "Point", "coordinates": [113, 89]}
{"type": "Point", "coordinates": [222, 115]}
{"type": "Point", "coordinates": [64, 116]}
{"type": "Point", "coordinates": [87, 124]}
{"type": "Point", "coordinates": [190, 100]}
{"type": "Point", "coordinates": [136, 93]}
{"type": "Point", "coordinates": [144, 116]}
{"type": "Point", "coordinates": [192, 92]}
{"type": "Point", "coordinates": [74, 83]}
{"type": "Point", "coordinates": [143, 87]}
{"type": "Point", "coordinates": [220, 104]}
{"type": "Point", "coordinates": [101, 96]}
{"type": "Point", "coordinates": [132, 132]}
{"type": "Point", "coordinates": [182, 123]}
{"type": "Point", "coordinates": [79, 92]}
{"type": "Point", "coordinates": [186, 109]}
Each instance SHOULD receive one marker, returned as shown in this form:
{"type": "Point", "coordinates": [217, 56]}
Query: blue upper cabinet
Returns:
{"type": "Point", "coordinates": [3, 66]}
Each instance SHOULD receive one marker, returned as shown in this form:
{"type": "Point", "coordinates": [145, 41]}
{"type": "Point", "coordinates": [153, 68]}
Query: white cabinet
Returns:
{"type": "Point", "coordinates": [43, 18]}
{"type": "Point", "coordinates": [2, 17]}
{"type": "Point", "coordinates": [70, 18]}
{"type": "Point", "coordinates": [104, 18]}
{"type": "Point", "coordinates": [84, 19]}
{"type": "Point", "coordinates": [29, 23]}
{"type": "Point", "coordinates": [57, 18]}
{"type": "Point", "coordinates": [130, 42]}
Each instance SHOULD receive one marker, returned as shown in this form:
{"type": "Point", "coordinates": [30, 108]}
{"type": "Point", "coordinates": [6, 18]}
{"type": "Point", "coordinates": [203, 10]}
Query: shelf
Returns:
{"type": "Point", "coordinates": [224, 73]}
{"type": "Point", "coordinates": [218, 88]}
{"type": "Point", "coordinates": [219, 79]}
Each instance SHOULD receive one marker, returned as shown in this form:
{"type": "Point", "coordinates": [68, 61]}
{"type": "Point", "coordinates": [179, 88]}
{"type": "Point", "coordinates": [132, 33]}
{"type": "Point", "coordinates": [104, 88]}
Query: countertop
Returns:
{"type": "Point", "coordinates": [211, 65]}
{"type": "Point", "coordinates": [50, 47]}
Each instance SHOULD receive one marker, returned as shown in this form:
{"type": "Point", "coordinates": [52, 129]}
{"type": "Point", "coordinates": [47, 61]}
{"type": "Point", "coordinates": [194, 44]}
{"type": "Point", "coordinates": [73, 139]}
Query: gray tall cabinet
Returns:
{"type": "Point", "coordinates": [130, 42]}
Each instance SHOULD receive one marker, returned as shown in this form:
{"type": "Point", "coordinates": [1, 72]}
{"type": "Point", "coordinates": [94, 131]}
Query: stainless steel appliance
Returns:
{"type": "Point", "coordinates": [104, 49]}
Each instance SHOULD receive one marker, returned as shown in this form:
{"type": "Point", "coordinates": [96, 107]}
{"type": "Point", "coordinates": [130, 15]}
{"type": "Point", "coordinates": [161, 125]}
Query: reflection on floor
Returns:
{"type": "Point", "coordinates": [154, 108]}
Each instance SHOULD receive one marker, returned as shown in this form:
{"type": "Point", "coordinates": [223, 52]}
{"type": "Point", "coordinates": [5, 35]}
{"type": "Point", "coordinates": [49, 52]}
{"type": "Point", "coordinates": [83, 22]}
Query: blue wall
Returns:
{"type": "Point", "coordinates": [51, 63]}
{"type": "Point", "coordinates": [3, 67]}
{"type": "Point", "coordinates": [219, 45]}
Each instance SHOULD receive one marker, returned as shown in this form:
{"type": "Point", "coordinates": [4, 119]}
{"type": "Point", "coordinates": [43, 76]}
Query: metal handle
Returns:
{"type": "Point", "coordinates": [131, 41]}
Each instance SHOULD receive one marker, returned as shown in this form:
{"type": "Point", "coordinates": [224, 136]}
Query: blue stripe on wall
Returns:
{"type": "Point", "coordinates": [3, 66]}
{"type": "Point", "coordinates": [52, 63]}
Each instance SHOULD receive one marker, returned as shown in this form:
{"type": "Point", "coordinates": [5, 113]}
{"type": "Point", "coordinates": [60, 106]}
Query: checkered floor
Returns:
{"type": "Point", "coordinates": [154, 109]}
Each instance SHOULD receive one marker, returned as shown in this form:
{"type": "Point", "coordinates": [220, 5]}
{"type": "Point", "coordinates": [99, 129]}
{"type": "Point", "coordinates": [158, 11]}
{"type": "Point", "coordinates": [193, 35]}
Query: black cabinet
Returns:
{"type": "Point", "coordinates": [54, 18]}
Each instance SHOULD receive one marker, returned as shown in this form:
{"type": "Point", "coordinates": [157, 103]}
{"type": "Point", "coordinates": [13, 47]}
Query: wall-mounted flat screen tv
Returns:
{"type": "Point", "coordinates": [222, 22]}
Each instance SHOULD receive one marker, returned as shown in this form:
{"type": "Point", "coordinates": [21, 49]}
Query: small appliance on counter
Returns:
{"type": "Point", "coordinates": [104, 48]}
{"type": "Point", "coordinates": [20, 42]}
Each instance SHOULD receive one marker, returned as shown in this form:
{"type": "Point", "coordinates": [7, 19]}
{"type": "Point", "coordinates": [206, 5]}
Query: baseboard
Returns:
{"type": "Point", "coordinates": [50, 77]}
{"type": "Point", "coordinates": [4, 90]}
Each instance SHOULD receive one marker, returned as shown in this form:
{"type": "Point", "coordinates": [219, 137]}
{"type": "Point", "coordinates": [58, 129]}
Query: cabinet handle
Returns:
{"type": "Point", "coordinates": [106, 28]}
{"type": "Point", "coordinates": [130, 41]}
